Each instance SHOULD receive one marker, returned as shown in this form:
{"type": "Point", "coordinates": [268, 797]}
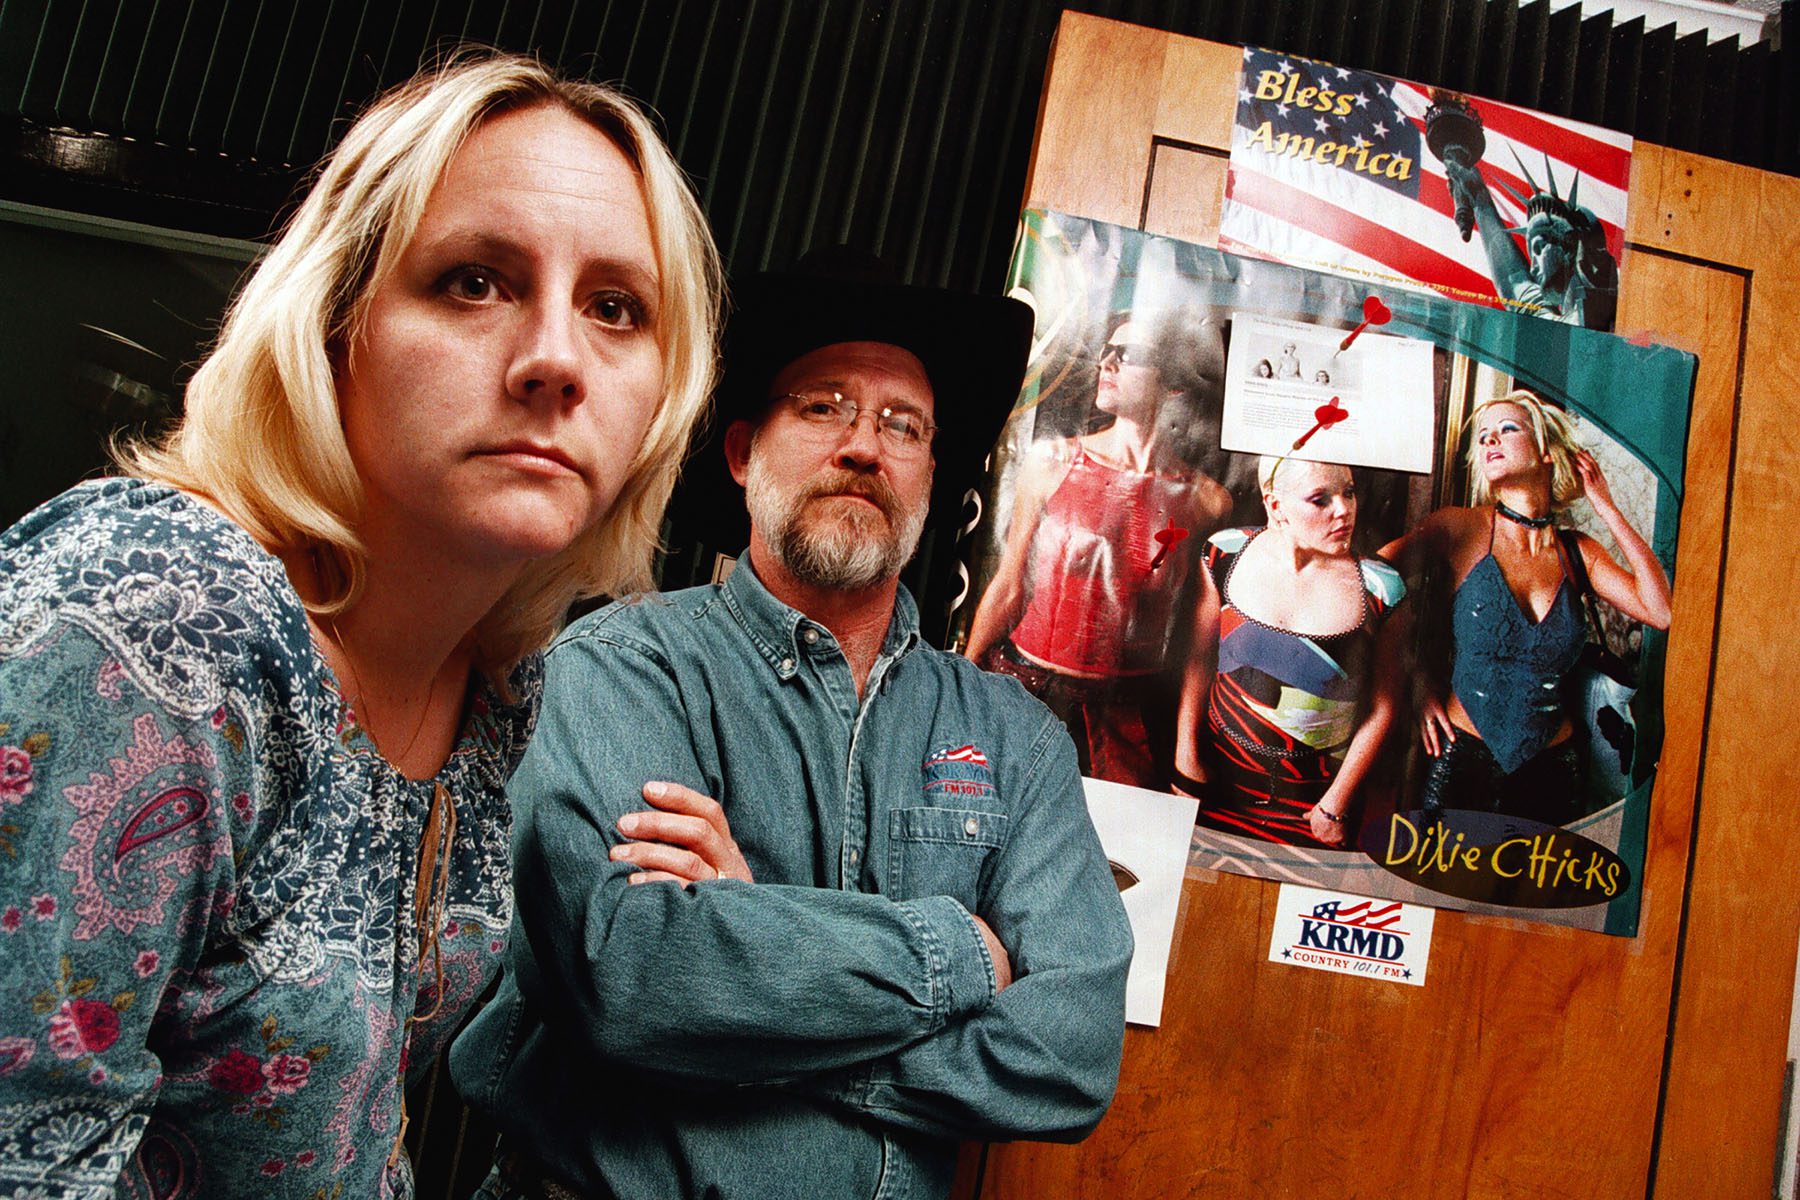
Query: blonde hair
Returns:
{"type": "Point", "coordinates": [1269, 465]}
{"type": "Point", "coordinates": [1266, 466]}
{"type": "Point", "coordinates": [1552, 432]}
{"type": "Point", "coordinates": [260, 436]}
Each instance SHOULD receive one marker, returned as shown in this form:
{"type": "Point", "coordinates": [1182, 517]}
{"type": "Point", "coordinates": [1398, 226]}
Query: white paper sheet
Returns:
{"type": "Point", "coordinates": [1145, 835]}
{"type": "Point", "coordinates": [1281, 373]}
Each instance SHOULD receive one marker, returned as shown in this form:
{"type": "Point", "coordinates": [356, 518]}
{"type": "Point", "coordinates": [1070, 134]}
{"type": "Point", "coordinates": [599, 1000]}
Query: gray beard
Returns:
{"type": "Point", "coordinates": [846, 549]}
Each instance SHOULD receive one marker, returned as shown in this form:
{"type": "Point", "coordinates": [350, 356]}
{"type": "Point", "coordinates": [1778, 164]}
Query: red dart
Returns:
{"type": "Point", "coordinates": [1324, 416]}
{"type": "Point", "coordinates": [1168, 538]}
{"type": "Point", "coordinates": [1374, 313]}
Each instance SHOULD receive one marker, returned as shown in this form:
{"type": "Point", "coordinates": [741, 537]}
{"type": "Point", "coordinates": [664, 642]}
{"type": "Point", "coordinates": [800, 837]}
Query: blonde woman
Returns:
{"type": "Point", "coordinates": [1501, 740]}
{"type": "Point", "coordinates": [1291, 684]}
{"type": "Point", "coordinates": [259, 697]}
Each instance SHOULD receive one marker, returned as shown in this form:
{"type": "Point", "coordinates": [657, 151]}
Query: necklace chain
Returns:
{"type": "Point", "coordinates": [361, 709]}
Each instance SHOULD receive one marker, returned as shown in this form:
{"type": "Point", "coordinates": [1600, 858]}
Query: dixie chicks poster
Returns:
{"type": "Point", "coordinates": [1380, 577]}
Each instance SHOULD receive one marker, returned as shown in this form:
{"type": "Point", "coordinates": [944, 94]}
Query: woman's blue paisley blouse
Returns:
{"type": "Point", "coordinates": [207, 873]}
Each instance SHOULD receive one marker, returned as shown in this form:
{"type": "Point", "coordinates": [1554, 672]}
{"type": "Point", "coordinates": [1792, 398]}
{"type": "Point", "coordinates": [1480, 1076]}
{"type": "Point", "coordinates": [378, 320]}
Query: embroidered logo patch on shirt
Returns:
{"type": "Point", "coordinates": [958, 771]}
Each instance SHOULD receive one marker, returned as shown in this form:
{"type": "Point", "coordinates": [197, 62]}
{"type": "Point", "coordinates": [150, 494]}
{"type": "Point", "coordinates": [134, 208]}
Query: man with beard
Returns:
{"type": "Point", "coordinates": [803, 901]}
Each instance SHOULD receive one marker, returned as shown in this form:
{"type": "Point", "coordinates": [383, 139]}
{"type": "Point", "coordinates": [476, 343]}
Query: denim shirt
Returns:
{"type": "Point", "coordinates": [831, 1029]}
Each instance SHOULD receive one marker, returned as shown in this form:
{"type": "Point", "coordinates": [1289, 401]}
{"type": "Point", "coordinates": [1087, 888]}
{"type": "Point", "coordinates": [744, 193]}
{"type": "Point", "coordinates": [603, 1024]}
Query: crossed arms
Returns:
{"type": "Point", "coordinates": [892, 1007]}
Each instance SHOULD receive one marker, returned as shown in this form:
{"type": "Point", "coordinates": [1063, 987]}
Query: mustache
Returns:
{"type": "Point", "coordinates": [872, 488]}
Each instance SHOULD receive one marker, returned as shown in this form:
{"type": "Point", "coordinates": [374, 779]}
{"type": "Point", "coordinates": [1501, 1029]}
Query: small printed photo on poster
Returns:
{"type": "Point", "coordinates": [1290, 356]}
{"type": "Point", "coordinates": [1418, 659]}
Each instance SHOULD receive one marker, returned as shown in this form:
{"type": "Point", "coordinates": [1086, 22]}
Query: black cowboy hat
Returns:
{"type": "Point", "coordinates": [973, 349]}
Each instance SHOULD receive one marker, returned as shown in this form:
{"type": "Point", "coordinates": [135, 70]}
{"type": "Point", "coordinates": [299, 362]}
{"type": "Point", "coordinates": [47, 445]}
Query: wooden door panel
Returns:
{"type": "Point", "coordinates": [1722, 1112]}
{"type": "Point", "coordinates": [1185, 192]}
{"type": "Point", "coordinates": [1534, 1061]}
{"type": "Point", "coordinates": [1096, 121]}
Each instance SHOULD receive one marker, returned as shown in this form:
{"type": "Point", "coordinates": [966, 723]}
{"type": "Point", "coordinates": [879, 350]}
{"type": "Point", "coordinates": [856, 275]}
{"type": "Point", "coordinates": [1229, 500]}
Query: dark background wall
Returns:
{"type": "Point", "coordinates": [902, 125]}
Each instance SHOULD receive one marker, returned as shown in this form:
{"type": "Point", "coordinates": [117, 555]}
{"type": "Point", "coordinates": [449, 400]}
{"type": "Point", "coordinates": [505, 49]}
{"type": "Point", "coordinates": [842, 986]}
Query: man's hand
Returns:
{"type": "Point", "coordinates": [1003, 975]}
{"type": "Point", "coordinates": [687, 841]}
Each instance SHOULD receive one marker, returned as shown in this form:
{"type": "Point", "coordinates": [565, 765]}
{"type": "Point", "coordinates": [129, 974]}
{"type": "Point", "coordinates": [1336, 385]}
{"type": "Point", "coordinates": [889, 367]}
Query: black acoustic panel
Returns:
{"type": "Point", "coordinates": [1338, 33]}
{"type": "Point", "coordinates": [1687, 95]}
{"type": "Point", "coordinates": [44, 34]}
{"type": "Point", "coordinates": [1567, 69]}
{"type": "Point", "coordinates": [1400, 40]}
{"type": "Point", "coordinates": [1784, 123]}
{"type": "Point", "coordinates": [1753, 100]}
{"type": "Point", "coordinates": [962, 162]}
{"type": "Point", "coordinates": [20, 21]}
{"type": "Point", "coordinates": [1431, 42]}
{"type": "Point", "coordinates": [106, 92]}
{"type": "Point", "coordinates": [1296, 26]}
{"type": "Point", "coordinates": [903, 125]}
{"type": "Point", "coordinates": [1236, 23]}
{"type": "Point", "coordinates": [270, 80]}
{"type": "Point", "coordinates": [1034, 26]}
{"type": "Point", "coordinates": [1715, 118]}
{"type": "Point", "coordinates": [1366, 42]}
{"type": "Point", "coordinates": [1624, 74]}
{"type": "Point", "coordinates": [1592, 68]}
{"type": "Point", "coordinates": [1499, 48]}
{"type": "Point", "coordinates": [1656, 76]}
{"type": "Point", "coordinates": [1530, 59]}
{"type": "Point", "coordinates": [1264, 22]}
{"type": "Point", "coordinates": [201, 105]}
{"type": "Point", "coordinates": [149, 56]}
{"type": "Point", "coordinates": [1465, 45]}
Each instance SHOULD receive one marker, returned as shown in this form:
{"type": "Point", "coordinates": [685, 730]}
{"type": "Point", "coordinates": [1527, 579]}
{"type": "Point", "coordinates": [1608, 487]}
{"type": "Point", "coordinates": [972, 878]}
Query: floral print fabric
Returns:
{"type": "Point", "coordinates": [207, 872]}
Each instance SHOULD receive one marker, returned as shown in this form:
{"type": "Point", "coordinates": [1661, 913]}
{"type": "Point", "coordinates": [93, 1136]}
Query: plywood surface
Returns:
{"type": "Point", "coordinates": [1721, 1118]}
{"type": "Point", "coordinates": [1537, 1061]}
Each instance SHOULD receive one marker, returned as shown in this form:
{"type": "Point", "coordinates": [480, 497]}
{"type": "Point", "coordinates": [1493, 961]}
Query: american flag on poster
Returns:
{"type": "Point", "coordinates": [1330, 170]}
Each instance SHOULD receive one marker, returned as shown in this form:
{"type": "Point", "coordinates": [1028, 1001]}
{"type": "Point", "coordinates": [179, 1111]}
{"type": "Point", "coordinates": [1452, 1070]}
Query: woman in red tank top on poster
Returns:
{"type": "Point", "coordinates": [1087, 596]}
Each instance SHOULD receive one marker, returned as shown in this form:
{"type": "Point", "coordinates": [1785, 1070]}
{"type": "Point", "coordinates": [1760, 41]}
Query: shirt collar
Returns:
{"type": "Point", "coordinates": [776, 630]}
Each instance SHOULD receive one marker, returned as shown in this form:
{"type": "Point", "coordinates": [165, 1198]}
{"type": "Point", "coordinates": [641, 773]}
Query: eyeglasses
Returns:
{"type": "Point", "coordinates": [1129, 354]}
{"type": "Point", "coordinates": [903, 430]}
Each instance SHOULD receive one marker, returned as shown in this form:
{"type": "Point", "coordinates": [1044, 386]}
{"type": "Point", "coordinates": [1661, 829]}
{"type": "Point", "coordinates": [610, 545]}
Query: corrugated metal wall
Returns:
{"type": "Point", "coordinates": [900, 125]}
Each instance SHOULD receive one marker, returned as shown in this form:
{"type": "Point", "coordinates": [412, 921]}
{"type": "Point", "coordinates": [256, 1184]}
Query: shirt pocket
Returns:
{"type": "Point", "coordinates": [943, 851]}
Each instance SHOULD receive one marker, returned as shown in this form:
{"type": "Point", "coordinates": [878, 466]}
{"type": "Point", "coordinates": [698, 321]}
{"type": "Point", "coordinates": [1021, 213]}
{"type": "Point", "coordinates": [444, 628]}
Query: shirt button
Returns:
{"type": "Point", "coordinates": [854, 856]}
{"type": "Point", "coordinates": [809, 636]}
{"type": "Point", "coordinates": [971, 827]}
{"type": "Point", "coordinates": [787, 664]}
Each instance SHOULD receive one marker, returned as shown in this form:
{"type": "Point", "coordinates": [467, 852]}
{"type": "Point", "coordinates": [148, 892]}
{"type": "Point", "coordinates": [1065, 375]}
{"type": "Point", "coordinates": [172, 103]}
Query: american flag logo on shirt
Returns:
{"type": "Point", "coordinates": [964, 753]}
{"type": "Point", "coordinates": [958, 770]}
{"type": "Point", "coordinates": [1330, 170]}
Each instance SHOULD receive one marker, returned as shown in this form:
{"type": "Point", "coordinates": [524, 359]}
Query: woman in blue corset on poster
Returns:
{"type": "Point", "coordinates": [1501, 741]}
